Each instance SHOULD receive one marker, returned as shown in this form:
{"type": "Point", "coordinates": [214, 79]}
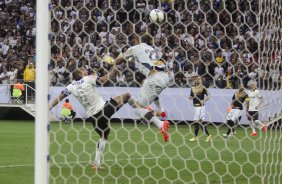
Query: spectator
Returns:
{"type": "Point", "coordinates": [220, 82]}
{"type": "Point", "coordinates": [140, 6]}
{"type": "Point", "coordinates": [130, 79]}
{"type": "Point", "coordinates": [59, 74]}
{"type": "Point", "coordinates": [4, 77]}
{"type": "Point", "coordinates": [20, 73]}
{"type": "Point", "coordinates": [262, 76]}
{"type": "Point", "coordinates": [166, 5]}
{"type": "Point", "coordinates": [218, 71]}
{"type": "Point", "coordinates": [120, 78]}
{"type": "Point", "coordinates": [29, 79]}
{"type": "Point", "coordinates": [253, 75]}
{"type": "Point", "coordinates": [190, 77]}
{"type": "Point", "coordinates": [12, 74]}
{"type": "Point", "coordinates": [182, 59]}
{"type": "Point", "coordinates": [274, 76]}
{"type": "Point", "coordinates": [230, 29]}
{"type": "Point", "coordinates": [230, 77]}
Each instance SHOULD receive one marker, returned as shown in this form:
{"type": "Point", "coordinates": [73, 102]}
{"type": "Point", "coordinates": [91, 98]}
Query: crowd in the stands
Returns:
{"type": "Point", "coordinates": [218, 40]}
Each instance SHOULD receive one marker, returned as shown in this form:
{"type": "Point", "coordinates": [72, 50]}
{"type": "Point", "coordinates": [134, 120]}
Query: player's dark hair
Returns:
{"type": "Point", "coordinates": [67, 100]}
{"type": "Point", "coordinates": [147, 39]}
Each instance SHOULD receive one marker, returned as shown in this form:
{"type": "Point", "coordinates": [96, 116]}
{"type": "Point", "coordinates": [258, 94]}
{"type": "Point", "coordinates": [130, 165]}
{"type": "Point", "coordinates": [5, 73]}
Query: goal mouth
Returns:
{"type": "Point", "coordinates": [208, 51]}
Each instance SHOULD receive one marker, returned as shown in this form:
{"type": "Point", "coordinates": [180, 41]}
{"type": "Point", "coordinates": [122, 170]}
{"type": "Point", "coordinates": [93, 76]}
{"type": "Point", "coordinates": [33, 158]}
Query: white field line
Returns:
{"type": "Point", "coordinates": [128, 159]}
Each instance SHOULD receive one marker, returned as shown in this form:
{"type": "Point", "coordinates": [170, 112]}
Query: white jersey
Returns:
{"type": "Point", "coordinates": [85, 92]}
{"type": "Point", "coordinates": [144, 56]}
{"type": "Point", "coordinates": [255, 98]}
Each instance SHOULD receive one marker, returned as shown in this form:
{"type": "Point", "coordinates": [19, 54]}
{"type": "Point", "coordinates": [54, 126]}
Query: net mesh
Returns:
{"type": "Point", "coordinates": [227, 43]}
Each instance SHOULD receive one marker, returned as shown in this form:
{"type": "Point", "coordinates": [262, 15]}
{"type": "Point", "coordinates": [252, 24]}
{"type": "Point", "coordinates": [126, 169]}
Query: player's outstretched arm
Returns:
{"type": "Point", "coordinates": [119, 60]}
{"type": "Point", "coordinates": [108, 76]}
{"type": "Point", "coordinates": [125, 57]}
{"type": "Point", "coordinates": [57, 100]}
{"type": "Point", "coordinates": [207, 96]}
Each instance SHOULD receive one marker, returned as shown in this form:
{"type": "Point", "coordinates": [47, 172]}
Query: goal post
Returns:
{"type": "Point", "coordinates": [41, 168]}
{"type": "Point", "coordinates": [271, 54]}
{"type": "Point", "coordinates": [227, 43]}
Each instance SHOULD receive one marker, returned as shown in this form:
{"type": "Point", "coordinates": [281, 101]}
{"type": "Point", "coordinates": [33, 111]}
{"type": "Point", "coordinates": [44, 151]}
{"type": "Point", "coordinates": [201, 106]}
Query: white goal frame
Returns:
{"type": "Point", "coordinates": [41, 169]}
{"type": "Point", "coordinates": [42, 125]}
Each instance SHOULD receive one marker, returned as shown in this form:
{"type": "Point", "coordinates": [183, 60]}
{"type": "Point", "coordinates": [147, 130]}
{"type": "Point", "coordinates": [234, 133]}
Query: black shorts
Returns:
{"type": "Point", "coordinates": [101, 120]}
{"type": "Point", "coordinates": [253, 115]}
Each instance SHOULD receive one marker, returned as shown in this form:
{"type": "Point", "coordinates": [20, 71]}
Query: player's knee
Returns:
{"type": "Point", "coordinates": [106, 133]}
{"type": "Point", "coordinates": [126, 97]}
{"type": "Point", "coordinates": [131, 100]}
{"type": "Point", "coordinates": [197, 125]}
{"type": "Point", "coordinates": [148, 116]}
{"type": "Point", "coordinates": [103, 133]}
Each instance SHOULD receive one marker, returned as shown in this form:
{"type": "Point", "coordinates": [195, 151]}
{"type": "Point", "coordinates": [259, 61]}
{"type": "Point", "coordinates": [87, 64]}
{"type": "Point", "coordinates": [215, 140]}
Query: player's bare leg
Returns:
{"type": "Point", "coordinates": [142, 112]}
{"type": "Point", "coordinates": [99, 153]}
{"type": "Point", "coordinates": [120, 100]}
{"type": "Point", "coordinates": [196, 131]}
{"type": "Point", "coordinates": [261, 125]}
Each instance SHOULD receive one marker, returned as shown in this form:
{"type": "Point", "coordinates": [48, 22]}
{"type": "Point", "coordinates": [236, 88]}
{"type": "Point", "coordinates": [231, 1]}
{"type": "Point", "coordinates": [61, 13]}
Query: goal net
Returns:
{"type": "Point", "coordinates": [229, 44]}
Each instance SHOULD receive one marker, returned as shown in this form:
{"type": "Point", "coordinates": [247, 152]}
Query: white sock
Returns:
{"type": "Point", "coordinates": [158, 105]}
{"type": "Point", "coordinates": [157, 122]}
{"type": "Point", "coordinates": [131, 101]}
{"type": "Point", "coordinates": [140, 112]}
{"type": "Point", "coordinates": [99, 151]}
{"type": "Point", "coordinates": [253, 129]}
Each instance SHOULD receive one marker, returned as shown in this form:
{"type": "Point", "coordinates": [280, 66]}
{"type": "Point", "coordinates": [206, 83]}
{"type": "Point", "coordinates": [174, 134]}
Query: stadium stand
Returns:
{"type": "Point", "coordinates": [219, 43]}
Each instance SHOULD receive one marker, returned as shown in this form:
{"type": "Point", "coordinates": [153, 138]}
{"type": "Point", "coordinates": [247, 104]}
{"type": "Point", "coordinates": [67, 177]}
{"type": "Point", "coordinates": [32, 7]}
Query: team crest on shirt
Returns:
{"type": "Point", "coordinates": [158, 63]}
{"type": "Point", "coordinates": [198, 89]}
{"type": "Point", "coordinates": [239, 95]}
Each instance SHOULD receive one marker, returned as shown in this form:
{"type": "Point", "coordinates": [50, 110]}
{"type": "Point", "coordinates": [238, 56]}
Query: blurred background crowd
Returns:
{"type": "Point", "coordinates": [222, 41]}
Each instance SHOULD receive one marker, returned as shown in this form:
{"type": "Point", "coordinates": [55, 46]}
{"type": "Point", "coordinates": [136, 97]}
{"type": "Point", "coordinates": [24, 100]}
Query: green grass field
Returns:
{"type": "Point", "coordinates": [137, 154]}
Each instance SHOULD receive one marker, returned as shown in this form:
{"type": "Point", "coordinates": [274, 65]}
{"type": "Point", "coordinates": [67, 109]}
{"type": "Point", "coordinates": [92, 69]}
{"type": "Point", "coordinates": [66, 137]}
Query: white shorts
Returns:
{"type": "Point", "coordinates": [234, 115]}
{"type": "Point", "coordinates": [199, 113]}
{"type": "Point", "coordinates": [152, 87]}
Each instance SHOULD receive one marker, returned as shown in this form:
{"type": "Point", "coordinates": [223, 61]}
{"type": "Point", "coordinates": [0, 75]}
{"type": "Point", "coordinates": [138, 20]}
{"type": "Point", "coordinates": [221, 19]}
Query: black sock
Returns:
{"type": "Point", "coordinates": [230, 123]}
{"type": "Point", "coordinates": [206, 131]}
{"type": "Point", "coordinates": [196, 129]}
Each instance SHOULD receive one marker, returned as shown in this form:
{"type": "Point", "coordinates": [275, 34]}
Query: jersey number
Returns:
{"type": "Point", "coordinates": [152, 54]}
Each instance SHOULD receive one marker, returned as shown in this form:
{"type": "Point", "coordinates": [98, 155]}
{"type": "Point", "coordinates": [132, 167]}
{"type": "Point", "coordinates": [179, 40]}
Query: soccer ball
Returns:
{"type": "Point", "coordinates": [157, 16]}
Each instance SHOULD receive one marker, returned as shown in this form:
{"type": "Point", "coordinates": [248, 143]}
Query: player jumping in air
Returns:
{"type": "Point", "coordinates": [99, 111]}
{"type": "Point", "coordinates": [199, 95]}
{"type": "Point", "coordinates": [144, 57]}
{"type": "Point", "coordinates": [233, 116]}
